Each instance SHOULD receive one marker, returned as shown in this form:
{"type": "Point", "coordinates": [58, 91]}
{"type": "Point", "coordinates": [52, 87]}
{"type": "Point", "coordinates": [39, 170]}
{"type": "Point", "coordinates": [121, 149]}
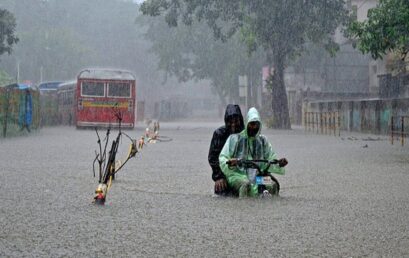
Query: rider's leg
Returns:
{"type": "Point", "coordinates": [253, 190]}
{"type": "Point", "coordinates": [272, 189]}
{"type": "Point", "coordinates": [241, 184]}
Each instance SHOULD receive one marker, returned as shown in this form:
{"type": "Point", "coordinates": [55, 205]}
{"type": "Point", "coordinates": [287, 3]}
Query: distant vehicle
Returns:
{"type": "Point", "coordinates": [49, 86]}
{"type": "Point", "coordinates": [20, 86]}
{"type": "Point", "coordinates": [101, 93]}
{"type": "Point", "coordinates": [67, 102]}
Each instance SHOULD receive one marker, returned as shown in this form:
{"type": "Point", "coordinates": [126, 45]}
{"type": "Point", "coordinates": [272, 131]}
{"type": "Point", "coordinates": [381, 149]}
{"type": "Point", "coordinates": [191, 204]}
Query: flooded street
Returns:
{"type": "Point", "coordinates": [328, 65]}
{"type": "Point", "coordinates": [339, 197]}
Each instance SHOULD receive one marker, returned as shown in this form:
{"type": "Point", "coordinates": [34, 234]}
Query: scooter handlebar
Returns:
{"type": "Point", "coordinates": [241, 162]}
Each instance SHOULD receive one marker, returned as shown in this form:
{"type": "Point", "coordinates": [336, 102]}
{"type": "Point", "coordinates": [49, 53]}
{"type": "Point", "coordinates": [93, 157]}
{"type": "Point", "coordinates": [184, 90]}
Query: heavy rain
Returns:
{"type": "Point", "coordinates": [187, 128]}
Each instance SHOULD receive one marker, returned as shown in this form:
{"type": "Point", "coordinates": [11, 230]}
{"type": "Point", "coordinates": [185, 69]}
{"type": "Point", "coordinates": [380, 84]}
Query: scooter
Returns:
{"type": "Point", "coordinates": [261, 178]}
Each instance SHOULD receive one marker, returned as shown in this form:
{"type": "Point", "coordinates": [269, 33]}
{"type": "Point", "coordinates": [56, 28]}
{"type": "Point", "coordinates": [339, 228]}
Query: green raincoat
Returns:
{"type": "Point", "coordinates": [241, 146]}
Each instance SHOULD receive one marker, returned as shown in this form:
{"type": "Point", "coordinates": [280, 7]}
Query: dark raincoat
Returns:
{"type": "Point", "coordinates": [220, 136]}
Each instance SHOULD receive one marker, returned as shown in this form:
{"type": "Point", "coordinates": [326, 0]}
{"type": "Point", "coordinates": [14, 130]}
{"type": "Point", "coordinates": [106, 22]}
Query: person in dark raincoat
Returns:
{"type": "Point", "coordinates": [234, 123]}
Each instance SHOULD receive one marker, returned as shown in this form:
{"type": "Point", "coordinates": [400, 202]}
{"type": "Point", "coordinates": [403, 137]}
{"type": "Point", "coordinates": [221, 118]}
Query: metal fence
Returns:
{"type": "Point", "coordinates": [19, 111]}
{"type": "Point", "coordinates": [363, 115]}
{"type": "Point", "coordinates": [399, 128]}
{"type": "Point", "coordinates": [49, 109]}
{"type": "Point", "coordinates": [323, 122]}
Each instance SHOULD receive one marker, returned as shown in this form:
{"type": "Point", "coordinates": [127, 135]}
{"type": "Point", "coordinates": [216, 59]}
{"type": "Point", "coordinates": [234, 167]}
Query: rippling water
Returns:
{"type": "Point", "coordinates": [337, 199]}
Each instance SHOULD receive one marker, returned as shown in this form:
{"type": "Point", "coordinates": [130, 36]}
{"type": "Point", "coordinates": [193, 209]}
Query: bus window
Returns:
{"type": "Point", "coordinates": [119, 90]}
{"type": "Point", "coordinates": [94, 89]}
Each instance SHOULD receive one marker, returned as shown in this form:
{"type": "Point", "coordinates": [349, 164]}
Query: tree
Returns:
{"type": "Point", "coordinates": [191, 52]}
{"type": "Point", "coordinates": [7, 28]}
{"type": "Point", "coordinates": [58, 38]}
{"type": "Point", "coordinates": [280, 27]}
{"type": "Point", "coordinates": [386, 29]}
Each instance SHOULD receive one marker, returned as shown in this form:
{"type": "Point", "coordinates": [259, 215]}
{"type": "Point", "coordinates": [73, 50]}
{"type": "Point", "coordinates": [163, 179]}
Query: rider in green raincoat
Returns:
{"type": "Point", "coordinates": [248, 144]}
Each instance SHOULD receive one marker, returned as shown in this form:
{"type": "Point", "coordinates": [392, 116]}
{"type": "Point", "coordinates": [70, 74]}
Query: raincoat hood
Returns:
{"type": "Point", "coordinates": [231, 111]}
{"type": "Point", "coordinates": [253, 116]}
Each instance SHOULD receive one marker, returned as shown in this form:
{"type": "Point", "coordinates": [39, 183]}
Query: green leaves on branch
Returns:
{"type": "Point", "coordinates": [192, 53]}
{"type": "Point", "coordinates": [7, 28]}
{"type": "Point", "coordinates": [281, 27]}
{"type": "Point", "coordinates": [386, 29]}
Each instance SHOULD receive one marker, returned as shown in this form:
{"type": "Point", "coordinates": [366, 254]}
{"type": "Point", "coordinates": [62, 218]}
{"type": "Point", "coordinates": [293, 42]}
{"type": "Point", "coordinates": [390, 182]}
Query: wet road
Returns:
{"type": "Point", "coordinates": [338, 198]}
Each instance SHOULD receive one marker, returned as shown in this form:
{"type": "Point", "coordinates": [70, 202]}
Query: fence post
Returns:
{"type": "Point", "coordinates": [339, 124]}
{"type": "Point", "coordinates": [402, 133]}
{"type": "Point", "coordinates": [305, 121]}
{"type": "Point", "coordinates": [392, 130]}
{"type": "Point", "coordinates": [6, 109]}
{"type": "Point", "coordinates": [313, 121]}
{"type": "Point", "coordinates": [307, 124]}
{"type": "Point", "coordinates": [321, 129]}
{"type": "Point", "coordinates": [309, 121]}
{"type": "Point", "coordinates": [329, 123]}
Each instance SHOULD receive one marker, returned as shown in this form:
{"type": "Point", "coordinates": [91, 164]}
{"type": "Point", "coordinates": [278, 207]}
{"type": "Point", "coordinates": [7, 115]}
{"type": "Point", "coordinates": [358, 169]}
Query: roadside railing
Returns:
{"type": "Point", "coordinates": [323, 122]}
{"type": "Point", "coordinates": [19, 110]}
{"type": "Point", "coordinates": [397, 128]}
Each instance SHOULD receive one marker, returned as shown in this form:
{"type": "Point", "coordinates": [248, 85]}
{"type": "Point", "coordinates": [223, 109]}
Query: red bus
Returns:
{"type": "Point", "coordinates": [101, 93]}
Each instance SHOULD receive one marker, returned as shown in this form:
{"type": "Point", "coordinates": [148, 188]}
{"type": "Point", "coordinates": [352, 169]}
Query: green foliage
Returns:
{"type": "Point", "coordinates": [192, 53]}
{"type": "Point", "coordinates": [7, 30]}
{"type": "Point", "coordinates": [280, 27]}
{"type": "Point", "coordinates": [386, 29]}
{"type": "Point", "coordinates": [58, 38]}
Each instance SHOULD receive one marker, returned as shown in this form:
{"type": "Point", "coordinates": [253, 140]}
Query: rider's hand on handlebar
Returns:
{"type": "Point", "coordinates": [232, 162]}
{"type": "Point", "coordinates": [282, 162]}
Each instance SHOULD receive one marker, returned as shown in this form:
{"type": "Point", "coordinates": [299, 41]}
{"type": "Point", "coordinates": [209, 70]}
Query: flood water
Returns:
{"type": "Point", "coordinates": [341, 196]}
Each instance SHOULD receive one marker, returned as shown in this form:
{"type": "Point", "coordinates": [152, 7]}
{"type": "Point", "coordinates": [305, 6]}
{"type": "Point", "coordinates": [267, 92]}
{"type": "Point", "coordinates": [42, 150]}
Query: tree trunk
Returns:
{"type": "Point", "coordinates": [279, 96]}
{"type": "Point", "coordinates": [256, 87]}
{"type": "Point", "coordinates": [222, 97]}
{"type": "Point", "coordinates": [220, 93]}
{"type": "Point", "coordinates": [234, 92]}
{"type": "Point", "coordinates": [252, 85]}
{"type": "Point", "coordinates": [249, 102]}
